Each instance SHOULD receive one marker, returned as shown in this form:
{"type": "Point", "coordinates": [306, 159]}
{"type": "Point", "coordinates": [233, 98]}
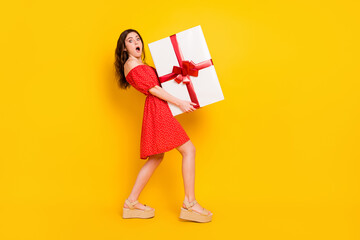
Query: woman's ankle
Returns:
{"type": "Point", "coordinates": [190, 198]}
{"type": "Point", "coordinates": [131, 199]}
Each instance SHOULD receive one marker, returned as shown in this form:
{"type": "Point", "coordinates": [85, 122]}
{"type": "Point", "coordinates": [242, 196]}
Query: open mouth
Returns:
{"type": "Point", "coordinates": [137, 49]}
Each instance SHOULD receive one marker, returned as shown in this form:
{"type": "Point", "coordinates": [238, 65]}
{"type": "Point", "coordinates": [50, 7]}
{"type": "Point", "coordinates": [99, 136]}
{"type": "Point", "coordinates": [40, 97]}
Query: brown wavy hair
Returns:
{"type": "Point", "coordinates": [121, 56]}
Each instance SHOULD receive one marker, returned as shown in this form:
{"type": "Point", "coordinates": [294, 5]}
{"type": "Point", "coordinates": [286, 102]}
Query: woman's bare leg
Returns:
{"type": "Point", "coordinates": [188, 151]}
{"type": "Point", "coordinates": [143, 177]}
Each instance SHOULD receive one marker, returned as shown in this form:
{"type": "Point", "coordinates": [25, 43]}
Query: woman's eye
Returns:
{"type": "Point", "coordinates": [130, 41]}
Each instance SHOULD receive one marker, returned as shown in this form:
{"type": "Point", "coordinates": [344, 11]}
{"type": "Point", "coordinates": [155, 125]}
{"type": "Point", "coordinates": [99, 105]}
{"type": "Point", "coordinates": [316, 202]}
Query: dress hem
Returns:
{"type": "Point", "coordinates": [166, 150]}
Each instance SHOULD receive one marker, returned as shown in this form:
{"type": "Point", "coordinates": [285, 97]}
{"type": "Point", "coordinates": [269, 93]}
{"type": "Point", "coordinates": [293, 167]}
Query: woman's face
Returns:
{"type": "Point", "coordinates": [133, 44]}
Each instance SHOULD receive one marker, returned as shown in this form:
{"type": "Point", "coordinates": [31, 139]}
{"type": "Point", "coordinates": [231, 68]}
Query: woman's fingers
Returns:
{"type": "Point", "coordinates": [190, 107]}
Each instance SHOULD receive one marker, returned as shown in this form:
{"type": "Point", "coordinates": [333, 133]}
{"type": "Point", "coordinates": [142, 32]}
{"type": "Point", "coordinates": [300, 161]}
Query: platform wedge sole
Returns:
{"type": "Point", "coordinates": [194, 216]}
{"type": "Point", "coordinates": [133, 212]}
{"type": "Point", "coordinates": [137, 213]}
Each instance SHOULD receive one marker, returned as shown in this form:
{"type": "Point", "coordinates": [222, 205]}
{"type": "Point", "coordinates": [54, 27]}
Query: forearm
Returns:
{"type": "Point", "coordinates": [164, 95]}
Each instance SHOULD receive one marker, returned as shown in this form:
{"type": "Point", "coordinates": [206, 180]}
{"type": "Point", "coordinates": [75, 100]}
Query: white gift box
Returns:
{"type": "Point", "coordinates": [185, 68]}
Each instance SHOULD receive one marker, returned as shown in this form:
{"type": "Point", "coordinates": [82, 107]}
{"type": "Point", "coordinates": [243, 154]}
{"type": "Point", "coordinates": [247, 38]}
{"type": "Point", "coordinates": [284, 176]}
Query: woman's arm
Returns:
{"type": "Point", "coordinates": [185, 106]}
{"type": "Point", "coordinates": [161, 93]}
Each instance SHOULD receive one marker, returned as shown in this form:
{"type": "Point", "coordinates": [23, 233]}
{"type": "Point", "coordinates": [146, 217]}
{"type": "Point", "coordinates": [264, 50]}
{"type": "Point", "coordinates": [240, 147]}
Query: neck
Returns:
{"type": "Point", "coordinates": [136, 58]}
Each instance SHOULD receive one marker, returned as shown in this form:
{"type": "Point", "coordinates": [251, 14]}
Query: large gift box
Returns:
{"type": "Point", "coordinates": [185, 68]}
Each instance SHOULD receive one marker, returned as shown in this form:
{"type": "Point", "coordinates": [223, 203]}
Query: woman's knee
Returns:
{"type": "Point", "coordinates": [157, 157]}
{"type": "Point", "coordinates": [187, 149]}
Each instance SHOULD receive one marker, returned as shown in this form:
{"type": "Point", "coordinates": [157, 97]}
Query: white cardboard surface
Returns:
{"type": "Point", "coordinates": [193, 46]}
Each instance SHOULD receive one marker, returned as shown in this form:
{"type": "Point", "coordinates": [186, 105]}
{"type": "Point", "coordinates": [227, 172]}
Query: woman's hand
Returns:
{"type": "Point", "coordinates": [186, 106]}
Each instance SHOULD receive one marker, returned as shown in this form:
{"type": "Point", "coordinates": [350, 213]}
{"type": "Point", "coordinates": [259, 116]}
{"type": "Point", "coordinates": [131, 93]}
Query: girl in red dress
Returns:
{"type": "Point", "coordinates": [160, 132]}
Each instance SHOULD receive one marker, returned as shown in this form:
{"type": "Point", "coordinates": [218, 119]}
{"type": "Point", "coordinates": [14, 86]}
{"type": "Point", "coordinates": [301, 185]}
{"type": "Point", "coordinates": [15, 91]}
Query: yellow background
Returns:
{"type": "Point", "coordinates": [277, 159]}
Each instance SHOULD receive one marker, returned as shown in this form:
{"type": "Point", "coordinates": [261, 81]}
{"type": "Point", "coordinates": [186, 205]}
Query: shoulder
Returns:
{"type": "Point", "coordinates": [129, 65]}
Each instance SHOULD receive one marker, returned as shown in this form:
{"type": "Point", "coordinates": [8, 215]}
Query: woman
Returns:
{"type": "Point", "coordinates": [160, 133]}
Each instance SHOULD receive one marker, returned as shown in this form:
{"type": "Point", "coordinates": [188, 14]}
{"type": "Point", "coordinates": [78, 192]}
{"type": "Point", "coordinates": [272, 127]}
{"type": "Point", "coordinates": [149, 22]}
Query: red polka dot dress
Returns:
{"type": "Point", "coordinates": [161, 131]}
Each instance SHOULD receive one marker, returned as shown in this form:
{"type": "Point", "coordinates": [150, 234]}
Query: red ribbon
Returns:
{"type": "Point", "coordinates": [186, 69]}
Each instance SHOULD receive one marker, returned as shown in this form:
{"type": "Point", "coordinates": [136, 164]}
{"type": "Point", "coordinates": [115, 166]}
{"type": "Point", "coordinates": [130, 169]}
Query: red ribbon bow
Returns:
{"type": "Point", "coordinates": [186, 69]}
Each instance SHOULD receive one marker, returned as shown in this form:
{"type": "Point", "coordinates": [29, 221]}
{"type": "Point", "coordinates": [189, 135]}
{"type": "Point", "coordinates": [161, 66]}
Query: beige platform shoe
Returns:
{"type": "Point", "coordinates": [189, 214]}
{"type": "Point", "coordinates": [133, 212]}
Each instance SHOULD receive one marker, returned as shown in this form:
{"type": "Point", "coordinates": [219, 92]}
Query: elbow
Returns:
{"type": "Point", "coordinates": [154, 90]}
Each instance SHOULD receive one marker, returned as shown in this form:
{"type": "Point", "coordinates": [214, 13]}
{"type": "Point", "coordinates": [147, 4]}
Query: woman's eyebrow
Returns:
{"type": "Point", "coordinates": [132, 37]}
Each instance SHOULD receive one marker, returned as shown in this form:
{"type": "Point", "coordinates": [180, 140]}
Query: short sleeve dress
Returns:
{"type": "Point", "coordinates": [161, 131]}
